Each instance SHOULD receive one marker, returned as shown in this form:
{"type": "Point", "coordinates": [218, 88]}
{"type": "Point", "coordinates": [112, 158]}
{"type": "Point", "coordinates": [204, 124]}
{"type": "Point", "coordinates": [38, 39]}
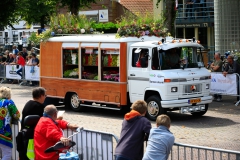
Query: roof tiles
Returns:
{"type": "Point", "coordinates": [138, 6]}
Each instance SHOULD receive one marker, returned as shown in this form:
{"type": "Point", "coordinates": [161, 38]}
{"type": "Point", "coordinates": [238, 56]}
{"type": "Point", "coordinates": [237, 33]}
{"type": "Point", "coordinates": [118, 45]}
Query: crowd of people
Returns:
{"type": "Point", "coordinates": [20, 59]}
{"type": "Point", "coordinates": [230, 68]}
{"type": "Point", "coordinates": [136, 129]}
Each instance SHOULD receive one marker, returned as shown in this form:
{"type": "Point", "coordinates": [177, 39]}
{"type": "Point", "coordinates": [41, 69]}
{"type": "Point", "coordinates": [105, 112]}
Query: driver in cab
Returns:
{"type": "Point", "coordinates": [48, 132]}
{"type": "Point", "coordinates": [172, 59]}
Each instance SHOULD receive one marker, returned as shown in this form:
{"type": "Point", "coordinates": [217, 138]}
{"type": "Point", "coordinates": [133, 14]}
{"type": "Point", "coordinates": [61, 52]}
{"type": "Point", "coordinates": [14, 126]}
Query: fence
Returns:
{"type": "Point", "coordinates": [192, 152]}
{"type": "Point", "coordinates": [228, 85]}
{"type": "Point", "coordinates": [98, 145]}
{"type": "Point", "coordinates": [93, 144]}
{"type": "Point", "coordinates": [196, 10]}
{"type": "Point", "coordinates": [30, 73]}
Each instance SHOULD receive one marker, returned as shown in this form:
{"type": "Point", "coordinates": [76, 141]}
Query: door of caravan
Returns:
{"type": "Point", "coordinates": [138, 74]}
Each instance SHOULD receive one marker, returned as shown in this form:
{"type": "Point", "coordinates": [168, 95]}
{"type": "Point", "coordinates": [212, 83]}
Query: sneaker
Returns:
{"type": "Point", "coordinates": [219, 99]}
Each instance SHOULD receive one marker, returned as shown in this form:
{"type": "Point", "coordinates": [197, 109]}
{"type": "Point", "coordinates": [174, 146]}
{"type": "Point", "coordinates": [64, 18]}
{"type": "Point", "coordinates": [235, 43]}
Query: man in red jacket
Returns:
{"type": "Point", "coordinates": [48, 132]}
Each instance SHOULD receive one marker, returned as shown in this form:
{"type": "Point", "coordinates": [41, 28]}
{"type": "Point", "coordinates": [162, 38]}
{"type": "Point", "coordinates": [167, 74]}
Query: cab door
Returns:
{"type": "Point", "coordinates": [138, 76]}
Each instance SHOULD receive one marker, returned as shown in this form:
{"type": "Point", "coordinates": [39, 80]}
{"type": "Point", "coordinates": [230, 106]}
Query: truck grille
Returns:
{"type": "Point", "coordinates": [192, 89]}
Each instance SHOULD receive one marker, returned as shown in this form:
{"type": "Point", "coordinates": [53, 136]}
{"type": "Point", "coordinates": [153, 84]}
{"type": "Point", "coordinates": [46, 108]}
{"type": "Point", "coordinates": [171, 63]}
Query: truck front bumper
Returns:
{"type": "Point", "coordinates": [185, 102]}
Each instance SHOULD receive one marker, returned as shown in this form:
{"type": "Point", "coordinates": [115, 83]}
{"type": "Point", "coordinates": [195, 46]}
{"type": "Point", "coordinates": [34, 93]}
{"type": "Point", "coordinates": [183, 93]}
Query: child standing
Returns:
{"type": "Point", "coordinates": [135, 128]}
{"type": "Point", "coordinates": [160, 140]}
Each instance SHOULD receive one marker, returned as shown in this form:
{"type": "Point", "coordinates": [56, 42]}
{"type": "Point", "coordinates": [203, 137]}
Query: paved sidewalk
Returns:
{"type": "Point", "coordinates": [218, 128]}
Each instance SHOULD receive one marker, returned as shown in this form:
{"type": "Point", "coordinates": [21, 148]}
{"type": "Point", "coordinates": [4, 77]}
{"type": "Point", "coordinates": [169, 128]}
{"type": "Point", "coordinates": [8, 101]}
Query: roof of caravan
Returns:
{"type": "Point", "coordinates": [144, 41]}
{"type": "Point", "coordinates": [101, 38]}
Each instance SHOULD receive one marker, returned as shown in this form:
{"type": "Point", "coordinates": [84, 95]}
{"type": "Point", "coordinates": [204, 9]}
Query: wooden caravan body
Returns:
{"type": "Point", "coordinates": [54, 62]}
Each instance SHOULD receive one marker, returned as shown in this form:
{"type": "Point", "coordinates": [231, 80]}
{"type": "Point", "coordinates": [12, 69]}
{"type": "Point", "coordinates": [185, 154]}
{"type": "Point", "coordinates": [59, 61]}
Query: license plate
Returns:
{"type": "Point", "coordinates": [191, 101]}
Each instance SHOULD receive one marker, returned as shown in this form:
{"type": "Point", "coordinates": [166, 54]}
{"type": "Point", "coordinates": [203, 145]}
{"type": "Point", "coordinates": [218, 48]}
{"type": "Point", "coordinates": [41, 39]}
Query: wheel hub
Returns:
{"type": "Point", "coordinates": [153, 108]}
{"type": "Point", "coordinates": [75, 101]}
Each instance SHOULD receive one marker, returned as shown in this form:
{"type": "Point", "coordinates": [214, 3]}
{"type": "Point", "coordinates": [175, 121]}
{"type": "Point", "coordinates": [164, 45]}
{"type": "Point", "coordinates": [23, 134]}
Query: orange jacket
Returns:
{"type": "Point", "coordinates": [47, 134]}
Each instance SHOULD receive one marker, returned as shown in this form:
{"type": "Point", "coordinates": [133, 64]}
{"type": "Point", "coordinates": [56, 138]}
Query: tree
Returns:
{"type": "Point", "coordinates": [37, 11]}
{"type": "Point", "coordinates": [8, 14]}
{"type": "Point", "coordinates": [169, 15]}
{"type": "Point", "coordinates": [75, 5]}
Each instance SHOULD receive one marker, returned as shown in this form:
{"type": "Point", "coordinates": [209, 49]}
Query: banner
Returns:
{"type": "Point", "coordinates": [11, 72]}
{"type": "Point", "coordinates": [32, 73]}
{"type": "Point", "coordinates": [224, 85]}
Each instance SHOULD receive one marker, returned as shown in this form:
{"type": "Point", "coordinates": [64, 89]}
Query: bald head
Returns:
{"type": "Point", "coordinates": [51, 110]}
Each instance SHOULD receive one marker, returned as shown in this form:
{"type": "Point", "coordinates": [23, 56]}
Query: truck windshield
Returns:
{"type": "Point", "coordinates": [177, 58]}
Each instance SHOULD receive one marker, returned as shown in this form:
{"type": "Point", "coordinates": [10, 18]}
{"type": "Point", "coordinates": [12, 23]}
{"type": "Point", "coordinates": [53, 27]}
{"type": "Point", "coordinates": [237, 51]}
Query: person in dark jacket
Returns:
{"type": "Point", "coordinates": [135, 129]}
{"type": "Point", "coordinates": [232, 67]}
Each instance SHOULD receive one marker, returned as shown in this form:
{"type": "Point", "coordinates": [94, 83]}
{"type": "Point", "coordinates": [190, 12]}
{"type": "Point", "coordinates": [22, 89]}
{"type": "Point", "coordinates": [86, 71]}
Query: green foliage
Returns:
{"type": "Point", "coordinates": [71, 73]}
{"type": "Point", "coordinates": [37, 39]}
{"type": "Point", "coordinates": [8, 13]}
{"type": "Point", "coordinates": [37, 11]}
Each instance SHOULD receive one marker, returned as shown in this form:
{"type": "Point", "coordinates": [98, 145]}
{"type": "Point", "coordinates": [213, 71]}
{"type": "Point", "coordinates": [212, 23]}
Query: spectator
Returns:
{"type": "Point", "coordinates": [2, 59]}
{"type": "Point", "coordinates": [9, 59]}
{"type": "Point", "coordinates": [232, 67]}
{"type": "Point", "coordinates": [35, 106]}
{"type": "Point", "coordinates": [14, 61]}
{"type": "Point", "coordinates": [21, 63]}
{"type": "Point", "coordinates": [32, 51]}
{"type": "Point", "coordinates": [216, 66]}
{"type": "Point", "coordinates": [48, 132]}
{"type": "Point", "coordinates": [7, 53]}
{"type": "Point", "coordinates": [35, 60]}
{"type": "Point", "coordinates": [15, 50]}
{"type": "Point", "coordinates": [29, 60]}
{"type": "Point", "coordinates": [191, 7]}
{"type": "Point", "coordinates": [135, 129]}
{"type": "Point", "coordinates": [160, 140]}
{"type": "Point", "coordinates": [24, 53]}
{"type": "Point", "coordinates": [8, 112]}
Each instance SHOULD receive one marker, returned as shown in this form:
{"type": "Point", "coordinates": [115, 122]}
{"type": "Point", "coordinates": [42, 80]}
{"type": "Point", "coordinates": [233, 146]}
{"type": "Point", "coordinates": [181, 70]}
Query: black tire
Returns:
{"type": "Point", "coordinates": [72, 101]}
{"type": "Point", "coordinates": [50, 100]}
{"type": "Point", "coordinates": [201, 113]}
{"type": "Point", "coordinates": [154, 108]}
{"type": "Point", "coordinates": [125, 109]}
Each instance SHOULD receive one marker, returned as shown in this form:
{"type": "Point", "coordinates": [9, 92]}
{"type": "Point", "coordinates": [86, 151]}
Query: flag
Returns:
{"type": "Point", "coordinates": [176, 5]}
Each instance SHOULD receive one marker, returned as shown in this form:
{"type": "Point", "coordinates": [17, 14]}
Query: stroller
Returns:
{"type": "Point", "coordinates": [63, 151]}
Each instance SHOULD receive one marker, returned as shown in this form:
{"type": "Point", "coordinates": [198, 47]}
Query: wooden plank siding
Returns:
{"type": "Point", "coordinates": [50, 59]}
{"type": "Point", "coordinates": [87, 90]}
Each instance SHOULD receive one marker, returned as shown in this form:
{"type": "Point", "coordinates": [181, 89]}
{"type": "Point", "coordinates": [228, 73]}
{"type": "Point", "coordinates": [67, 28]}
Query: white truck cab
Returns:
{"type": "Point", "coordinates": [173, 79]}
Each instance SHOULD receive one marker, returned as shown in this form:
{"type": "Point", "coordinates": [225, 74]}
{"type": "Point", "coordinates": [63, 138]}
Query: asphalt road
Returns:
{"type": "Point", "coordinates": [218, 128]}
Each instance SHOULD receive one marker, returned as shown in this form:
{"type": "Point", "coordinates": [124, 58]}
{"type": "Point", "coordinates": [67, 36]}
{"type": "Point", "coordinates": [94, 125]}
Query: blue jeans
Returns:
{"type": "Point", "coordinates": [19, 72]}
{"type": "Point", "coordinates": [119, 157]}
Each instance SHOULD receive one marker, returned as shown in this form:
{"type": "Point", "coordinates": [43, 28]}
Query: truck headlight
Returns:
{"type": "Point", "coordinates": [174, 89]}
{"type": "Point", "coordinates": [207, 86]}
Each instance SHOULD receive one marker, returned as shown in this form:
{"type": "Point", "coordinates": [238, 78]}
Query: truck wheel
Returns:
{"type": "Point", "coordinates": [198, 114]}
{"type": "Point", "coordinates": [74, 103]}
{"type": "Point", "coordinates": [154, 108]}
